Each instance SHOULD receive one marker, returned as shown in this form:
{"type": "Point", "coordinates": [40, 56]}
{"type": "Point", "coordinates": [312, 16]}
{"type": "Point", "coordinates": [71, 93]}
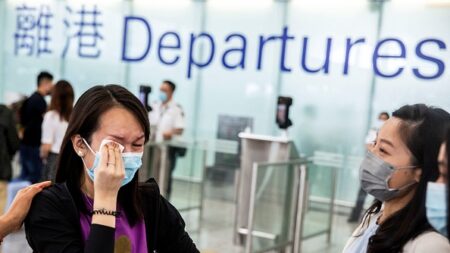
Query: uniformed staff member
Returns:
{"type": "Point", "coordinates": [168, 122]}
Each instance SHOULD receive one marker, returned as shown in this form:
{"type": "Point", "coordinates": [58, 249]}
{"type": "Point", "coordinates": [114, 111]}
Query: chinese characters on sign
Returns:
{"type": "Point", "coordinates": [34, 25]}
{"type": "Point", "coordinates": [80, 33]}
{"type": "Point", "coordinates": [32, 30]}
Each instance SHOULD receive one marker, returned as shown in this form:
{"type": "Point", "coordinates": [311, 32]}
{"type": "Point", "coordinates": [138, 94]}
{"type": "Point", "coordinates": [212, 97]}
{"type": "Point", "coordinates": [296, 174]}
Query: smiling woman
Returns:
{"type": "Point", "coordinates": [396, 172]}
{"type": "Point", "coordinates": [97, 204]}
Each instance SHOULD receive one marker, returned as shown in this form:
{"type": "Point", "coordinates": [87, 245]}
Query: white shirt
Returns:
{"type": "Point", "coordinates": [166, 118]}
{"type": "Point", "coordinates": [373, 132]}
{"type": "Point", "coordinates": [53, 130]}
{"type": "Point", "coordinates": [361, 241]}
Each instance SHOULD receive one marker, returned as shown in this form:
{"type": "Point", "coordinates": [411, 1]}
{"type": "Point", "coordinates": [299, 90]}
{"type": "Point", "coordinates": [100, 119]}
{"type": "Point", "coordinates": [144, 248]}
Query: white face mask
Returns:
{"type": "Point", "coordinates": [436, 204]}
{"type": "Point", "coordinates": [378, 124]}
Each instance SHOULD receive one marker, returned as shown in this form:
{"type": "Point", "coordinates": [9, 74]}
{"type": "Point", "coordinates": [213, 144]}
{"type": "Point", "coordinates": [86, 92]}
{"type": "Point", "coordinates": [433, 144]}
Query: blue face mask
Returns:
{"type": "Point", "coordinates": [436, 207]}
{"type": "Point", "coordinates": [162, 96]}
{"type": "Point", "coordinates": [131, 161]}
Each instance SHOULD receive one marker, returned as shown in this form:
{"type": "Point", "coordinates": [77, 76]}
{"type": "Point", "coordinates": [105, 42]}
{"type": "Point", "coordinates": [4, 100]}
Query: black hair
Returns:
{"type": "Point", "coordinates": [44, 75]}
{"type": "Point", "coordinates": [171, 85]}
{"type": "Point", "coordinates": [84, 121]}
{"type": "Point", "coordinates": [384, 114]}
{"type": "Point", "coordinates": [422, 130]}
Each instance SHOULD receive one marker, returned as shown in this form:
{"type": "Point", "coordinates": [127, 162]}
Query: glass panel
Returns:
{"type": "Point", "coordinates": [25, 54]}
{"type": "Point", "coordinates": [248, 86]}
{"type": "Point", "coordinates": [324, 117]}
{"type": "Point", "coordinates": [169, 24]}
{"type": "Point", "coordinates": [319, 194]}
{"type": "Point", "coordinates": [274, 206]}
{"type": "Point", "coordinates": [187, 186]}
{"type": "Point", "coordinates": [246, 82]}
{"type": "Point", "coordinates": [424, 53]}
{"type": "Point", "coordinates": [94, 60]}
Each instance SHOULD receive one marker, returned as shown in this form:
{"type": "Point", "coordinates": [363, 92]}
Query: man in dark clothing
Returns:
{"type": "Point", "coordinates": [31, 117]}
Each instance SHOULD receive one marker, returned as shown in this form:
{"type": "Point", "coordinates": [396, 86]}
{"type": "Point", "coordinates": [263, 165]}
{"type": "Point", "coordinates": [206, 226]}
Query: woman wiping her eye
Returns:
{"type": "Point", "coordinates": [396, 172]}
{"type": "Point", "coordinates": [97, 203]}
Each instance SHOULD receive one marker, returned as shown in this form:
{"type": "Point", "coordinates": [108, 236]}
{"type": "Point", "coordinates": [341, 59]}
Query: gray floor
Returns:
{"type": "Point", "coordinates": [214, 232]}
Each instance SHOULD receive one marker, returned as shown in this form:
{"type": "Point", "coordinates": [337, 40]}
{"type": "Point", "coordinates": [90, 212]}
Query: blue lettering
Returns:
{"type": "Point", "coordinates": [192, 62]}
{"type": "Point", "coordinates": [284, 37]}
{"type": "Point", "coordinates": [125, 57]}
{"type": "Point", "coordinates": [162, 45]}
{"type": "Point", "coordinates": [440, 64]}
{"type": "Point", "coordinates": [325, 65]}
{"type": "Point", "coordinates": [241, 50]}
{"type": "Point", "coordinates": [376, 55]}
{"type": "Point", "coordinates": [262, 42]}
{"type": "Point", "coordinates": [348, 48]}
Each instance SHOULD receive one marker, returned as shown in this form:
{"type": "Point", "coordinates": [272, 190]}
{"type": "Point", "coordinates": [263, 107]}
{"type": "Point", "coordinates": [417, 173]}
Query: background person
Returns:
{"type": "Point", "coordinates": [438, 197]}
{"type": "Point", "coordinates": [54, 126]}
{"type": "Point", "coordinates": [12, 220]}
{"type": "Point", "coordinates": [168, 120]}
{"type": "Point", "coordinates": [31, 117]}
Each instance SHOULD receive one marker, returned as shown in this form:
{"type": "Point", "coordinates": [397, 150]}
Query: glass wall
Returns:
{"type": "Point", "coordinates": [342, 61]}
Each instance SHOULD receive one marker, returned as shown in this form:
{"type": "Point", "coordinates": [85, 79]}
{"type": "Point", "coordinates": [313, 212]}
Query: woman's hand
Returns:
{"type": "Point", "coordinates": [12, 220]}
{"type": "Point", "coordinates": [45, 150]}
{"type": "Point", "coordinates": [107, 182]}
{"type": "Point", "coordinates": [110, 172]}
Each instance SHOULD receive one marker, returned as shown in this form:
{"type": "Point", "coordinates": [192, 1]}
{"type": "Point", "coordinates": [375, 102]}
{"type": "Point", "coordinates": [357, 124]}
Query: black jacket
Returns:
{"type": "Point", "coordinates": [31, 117]}
{"type": "Point", "coordinates": [53, 225]}
{"type": "Point", "coordinates": [9, 142]}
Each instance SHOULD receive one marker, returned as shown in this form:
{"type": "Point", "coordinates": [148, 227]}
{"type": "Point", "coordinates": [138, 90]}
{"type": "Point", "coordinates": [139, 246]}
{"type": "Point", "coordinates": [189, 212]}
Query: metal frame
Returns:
{"type": "Point", "coordinates": [202, 188]}
{"type": "Point", "coordinates": [300, 198]}
{"type": "Point", "coordinates": [333, 198]}
{"type": "Point", "coordinates": [198, 146]}
{"type": "Point", "coordinates": [237, 237]}
{"type": "Point", "coordinates": [251, 212]}
{"type": "Point", "coordinates": [298, 214]}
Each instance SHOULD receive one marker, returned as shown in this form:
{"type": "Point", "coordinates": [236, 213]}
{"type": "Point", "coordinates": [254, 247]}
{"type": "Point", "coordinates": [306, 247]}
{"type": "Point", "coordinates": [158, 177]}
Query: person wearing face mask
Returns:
{"type": "Point", "coordinates": [370, 138]}
{"type": "Point", "coordinates": [438, 197]}
{"type": "Point", "coordinates": [97, 203]}
{"type": "Point", "coordinates": [396, 171]}
{"type": "Point", "coordinates": [31, 118]}
{"type": "Point", "coordinates": [168, 121]}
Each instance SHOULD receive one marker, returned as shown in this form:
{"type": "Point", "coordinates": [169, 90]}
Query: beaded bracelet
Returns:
{"type": "Point", "coordinates": [103, 211]}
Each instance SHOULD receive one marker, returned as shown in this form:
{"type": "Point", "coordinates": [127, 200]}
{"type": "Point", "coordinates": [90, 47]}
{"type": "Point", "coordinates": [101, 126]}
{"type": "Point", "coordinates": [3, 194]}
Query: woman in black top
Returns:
{"type": "Point", "coordinates": [97, 183]}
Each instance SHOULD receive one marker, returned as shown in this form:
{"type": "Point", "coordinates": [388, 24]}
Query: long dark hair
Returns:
{"type": "Point", "coordinates": [422, 129]}
{"type": "Point", "coordinates": [62, 99]}
{"type": "Point", "coordinates": [85, 121]}
{"type": "Point", "coordinates": [447, 149]}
